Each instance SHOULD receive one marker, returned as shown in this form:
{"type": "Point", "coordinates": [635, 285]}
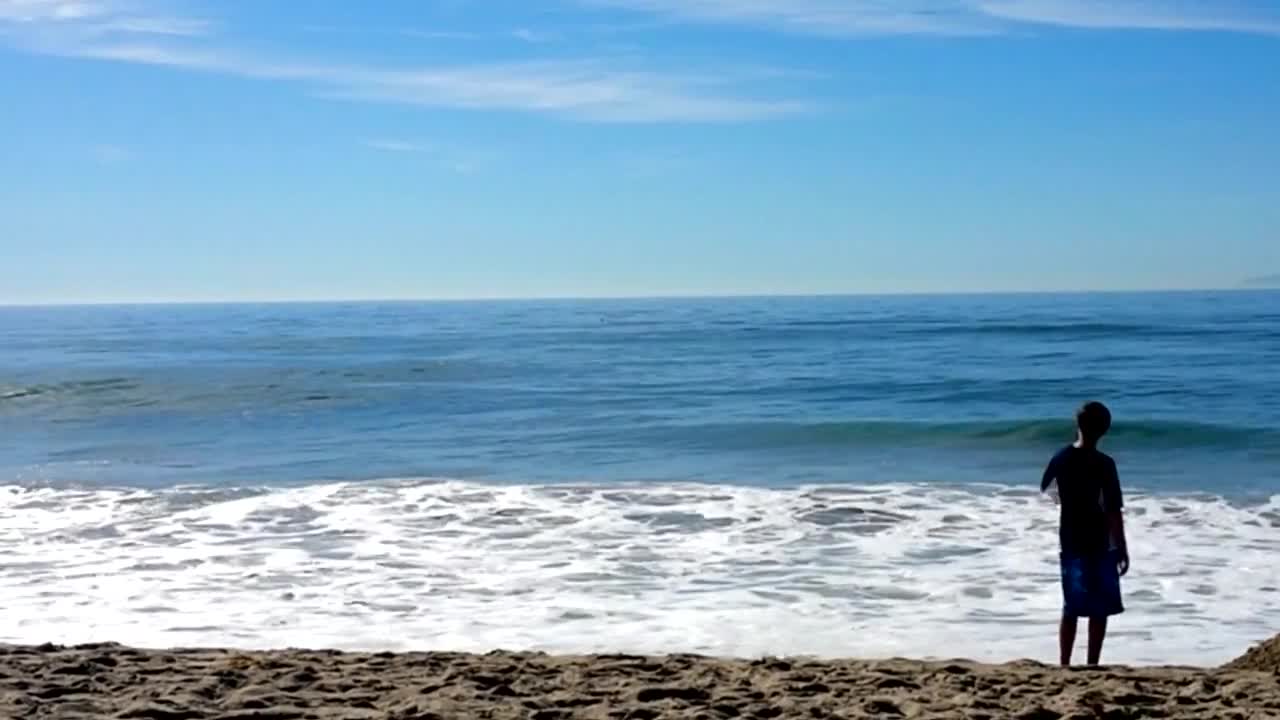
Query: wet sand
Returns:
{"type": "Point", "coordinates": [110, 681]}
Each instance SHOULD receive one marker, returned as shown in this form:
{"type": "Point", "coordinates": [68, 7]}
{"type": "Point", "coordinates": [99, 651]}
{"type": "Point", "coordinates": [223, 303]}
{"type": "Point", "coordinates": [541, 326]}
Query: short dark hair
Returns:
{"type": "Point", "coordinates": [1094, 420]}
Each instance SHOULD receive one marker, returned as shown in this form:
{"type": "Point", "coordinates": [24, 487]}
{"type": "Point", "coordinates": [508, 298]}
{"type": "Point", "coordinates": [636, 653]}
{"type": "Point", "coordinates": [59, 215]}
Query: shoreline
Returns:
{"type": "Point", "coordinates": [108, 680]}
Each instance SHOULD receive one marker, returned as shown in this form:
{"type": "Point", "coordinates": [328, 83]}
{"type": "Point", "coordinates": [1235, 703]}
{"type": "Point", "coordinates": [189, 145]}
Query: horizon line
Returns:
{"type": "Point", "coordinates": [623, 298]}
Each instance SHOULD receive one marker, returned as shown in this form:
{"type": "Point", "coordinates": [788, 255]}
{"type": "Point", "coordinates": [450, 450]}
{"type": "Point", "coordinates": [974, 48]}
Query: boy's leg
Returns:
{"type": "Point", "coordinates": [1067, 638]}
{"type": "Point", "coordinates": [1105, 603]}
{"type": "Point", "coordinates": [1097, 633]}
{"type": "Point", "coordinates": [1073, 597]}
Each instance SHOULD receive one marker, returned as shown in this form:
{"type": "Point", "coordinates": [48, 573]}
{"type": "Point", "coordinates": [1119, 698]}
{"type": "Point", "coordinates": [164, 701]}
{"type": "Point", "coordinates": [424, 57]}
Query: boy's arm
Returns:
{"type": "Point", "coordinates": [1113, 500]}
{"type": "Point", "coordinates": [1050, 475]}
{"type": "Point", "coordinates": [1115, 522]}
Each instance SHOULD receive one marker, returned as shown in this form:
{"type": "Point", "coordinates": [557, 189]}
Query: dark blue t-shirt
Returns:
{"type": "Point", "coordinates": [1088, 490]}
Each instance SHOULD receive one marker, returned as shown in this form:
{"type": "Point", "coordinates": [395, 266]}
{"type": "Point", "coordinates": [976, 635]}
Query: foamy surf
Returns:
{"type": "Point", "coordinates": [915, 570]}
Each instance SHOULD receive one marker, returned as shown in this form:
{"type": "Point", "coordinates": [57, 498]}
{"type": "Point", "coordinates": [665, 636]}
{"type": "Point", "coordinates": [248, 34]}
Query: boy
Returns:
{"type": "Point", "coordinates": [1094, 553]}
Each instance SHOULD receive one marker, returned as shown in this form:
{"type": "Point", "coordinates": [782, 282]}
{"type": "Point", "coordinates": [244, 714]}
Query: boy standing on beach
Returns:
{"type": "Point", "coordinates": [1094, 552]}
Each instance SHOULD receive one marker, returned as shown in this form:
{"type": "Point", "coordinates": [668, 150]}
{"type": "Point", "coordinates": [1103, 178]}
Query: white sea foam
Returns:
{"type": "Point", "coordinates": [834, 571]}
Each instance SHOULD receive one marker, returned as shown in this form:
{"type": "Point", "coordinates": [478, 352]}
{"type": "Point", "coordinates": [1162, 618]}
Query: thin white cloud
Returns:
{"type": "Point", "coordinates": [180, 27]}
{"type": "Point", "coordinates": [95, 17]}
{"type": "Point", "coordinates": [458, 160]}
{"type": "Point", "coordinates": [397, 146]}
{"type": "Point", "coordinates": [439, 34]}
{"type": "Point", "coordinates": [599, 91]}
{"type": "Point", "coordinates": [533, 37]}
{"type": "Point", "coordinates": [526, 35]}
{"type": "Point", "coordinates": [587, 90]}
{"type": "Point", "coordinates": [822, 17]}
{"type": "Point", "coordinates": [958, 17]}
{"type": "Point", "coordinates": [32, 11]}
{"type": "Point", "coordinates": [1219, 15]}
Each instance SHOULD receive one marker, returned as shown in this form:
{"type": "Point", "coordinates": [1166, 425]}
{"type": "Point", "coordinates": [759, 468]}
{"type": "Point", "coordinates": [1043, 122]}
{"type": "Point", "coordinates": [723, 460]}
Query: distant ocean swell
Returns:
{"type": "Point", "coordinates": [124, 394]}
{"type": "Point", "coordinates": [1149, 434]}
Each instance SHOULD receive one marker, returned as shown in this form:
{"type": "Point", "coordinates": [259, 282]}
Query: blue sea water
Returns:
{"type": "Point", "coordinates": [850, 475]}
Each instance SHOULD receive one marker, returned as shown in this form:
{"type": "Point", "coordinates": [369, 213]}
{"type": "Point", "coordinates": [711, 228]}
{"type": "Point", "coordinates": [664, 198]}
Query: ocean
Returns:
{"type": "Point", "coordinates": [851, 476]}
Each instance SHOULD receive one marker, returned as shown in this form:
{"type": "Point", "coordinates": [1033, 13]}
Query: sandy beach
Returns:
{"type": "Point", "coordinates": [114, 681]}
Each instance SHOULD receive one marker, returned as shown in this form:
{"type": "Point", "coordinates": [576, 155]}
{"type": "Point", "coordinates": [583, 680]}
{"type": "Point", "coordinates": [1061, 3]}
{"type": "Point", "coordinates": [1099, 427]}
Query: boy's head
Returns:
{"type": "Point", "coordinates": [1094, 420]}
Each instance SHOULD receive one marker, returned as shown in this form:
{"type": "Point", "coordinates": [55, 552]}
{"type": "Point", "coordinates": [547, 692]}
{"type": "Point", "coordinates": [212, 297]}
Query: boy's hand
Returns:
{"type": "Point", "coordinates": [1122, 563]}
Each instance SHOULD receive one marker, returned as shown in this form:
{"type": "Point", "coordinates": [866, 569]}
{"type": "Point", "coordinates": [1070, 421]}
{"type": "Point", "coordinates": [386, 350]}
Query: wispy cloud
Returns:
{"type": "Point", "coordinates": [397, 146]}
{"type": "Point", "coordinates": [963, 17]}
{"type": "Point", "coordinates": [525, 35]}
{"type": "Point", "coordinates": [592, 90]}
{"type": "Point", "coordinates": [589, 90]}
{"type": "Point", "coordinates": [30, 11]}
{"type": "Point", "coordinates": [462, 161]}
{"type": "Point", "coordinates": [181, 27]}
{"type": "Point", "coordinates": [586, 90]}
{"type": "Point", "coordinates": [533, 37]}
{"type": "Point", "coordinates": [821, 17]}
{"type": "Point", "coordinates": [438, 34]}
{"type": "Point", "coordinates": [604, 89]}
{"type": "Point", "coordinates": [1215, 15]}
{"type": "Point", "coordinates": [95, 18]}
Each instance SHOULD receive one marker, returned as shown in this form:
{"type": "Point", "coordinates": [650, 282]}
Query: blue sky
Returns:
{"type": "Point", "coordinates": [158, 150]}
